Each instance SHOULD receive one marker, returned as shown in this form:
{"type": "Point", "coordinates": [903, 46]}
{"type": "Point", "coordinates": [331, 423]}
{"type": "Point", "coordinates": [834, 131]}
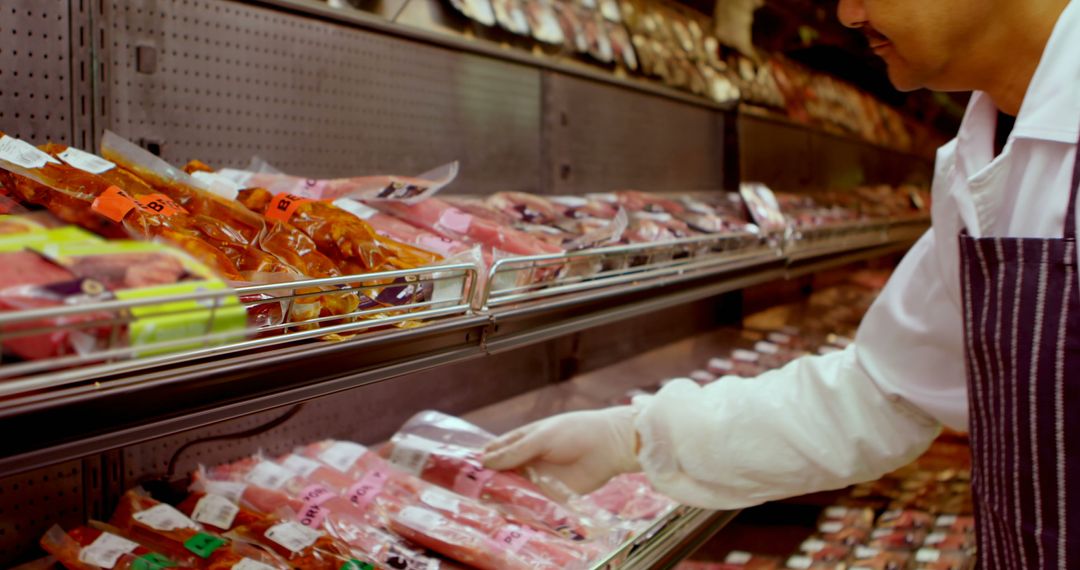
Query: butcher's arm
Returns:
{"type": "Point", "coordinates": [820, 422]}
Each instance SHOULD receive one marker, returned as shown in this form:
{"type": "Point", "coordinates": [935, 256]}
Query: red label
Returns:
{"type": "Point", "coordinates": [283, 206]}
{"type": "Point", "coordinates": [367, 488]}
{"type": "Point", "coordinates": [114, 204]}
{"type": "Point", "coordinates": [471, 480]}
{"type": "Point", "coordinates": [160, 204]}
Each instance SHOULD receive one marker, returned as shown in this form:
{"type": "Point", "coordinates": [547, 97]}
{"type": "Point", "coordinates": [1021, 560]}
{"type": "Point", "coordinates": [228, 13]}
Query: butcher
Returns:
{"type": "Point", "coordinates": [978, 328]}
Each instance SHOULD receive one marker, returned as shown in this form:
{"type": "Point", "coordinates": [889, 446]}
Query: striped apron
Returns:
{"type": "Point", "coordinates": [1022, 339]}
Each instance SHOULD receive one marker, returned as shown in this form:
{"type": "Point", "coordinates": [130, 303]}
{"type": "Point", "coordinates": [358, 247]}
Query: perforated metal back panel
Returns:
{"type": "Point", "coordinates": [35, 70]}
{"type": "Point", "coordinates": [222, 81]}
{"type": "Point", "coordinates": [368, 414]}
{"type": "Point", "coordinates": [601, 137]}
{"type": "Point", "coordinates": [32, 502]}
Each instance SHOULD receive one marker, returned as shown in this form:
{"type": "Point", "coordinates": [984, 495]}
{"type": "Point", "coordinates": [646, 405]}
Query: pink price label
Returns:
{"type": "Point", "coordinates": [312, 516]}
{"type": "Point", "coordinates": [455, 220]}
{"type": "Point", "coordinates": [315, 495]}
{"type": "Point", "coordinates": [367, 488]}
{"type": "Point", "coordinates": [512, 538]}
{"type": "Point", "coordinates": [471, 480]}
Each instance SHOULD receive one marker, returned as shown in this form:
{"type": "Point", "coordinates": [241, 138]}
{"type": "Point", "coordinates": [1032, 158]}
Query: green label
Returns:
{"type": "Point", "coordinates": [175, 320]}
{"type": "Point", "coordinates": [203, 545]}
{"type": "Point", "coordinates": [39, 238]}
{"type": "Point", "coordinates": [152, 561]}
{"type": "Point", "coordinates": [355, 564]}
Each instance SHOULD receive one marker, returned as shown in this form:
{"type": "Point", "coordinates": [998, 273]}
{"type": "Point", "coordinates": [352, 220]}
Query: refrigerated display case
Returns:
{"type": "Point", "coordinates": [322, 92]}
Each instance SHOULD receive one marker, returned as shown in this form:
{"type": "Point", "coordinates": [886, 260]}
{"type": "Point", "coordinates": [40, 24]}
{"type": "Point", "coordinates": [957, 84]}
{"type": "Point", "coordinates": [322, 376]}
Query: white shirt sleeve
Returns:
{"type": "Point", "coordinates": [820, 422]}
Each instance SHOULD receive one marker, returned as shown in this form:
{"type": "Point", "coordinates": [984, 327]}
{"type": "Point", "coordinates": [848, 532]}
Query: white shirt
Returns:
{"type": "Point", "coordinates": [827, 422]}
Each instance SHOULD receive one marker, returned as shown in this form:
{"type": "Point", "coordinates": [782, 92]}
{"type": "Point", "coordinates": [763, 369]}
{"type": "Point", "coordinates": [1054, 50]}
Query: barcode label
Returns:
{"type": "Point", "coordinates": [927, 555]}
{"type": "Point", "coordinates": [419, 519]}
{"type": "Point", "coordinates": [745, 355]}
{"type": "Point", "coordinates": [249, 564]}
{"type": "Point", "coordinates": [270, 475]}
{"type": "Point", "coordinates": [946, 520]}
{"type": "Point", "coordinates": [766, 347]}
{"type": "Point", "coordinates": [85, 161]}
{"type": "Point", "coordinates": [164, 517]}
{"type": "Point", "coordinates": [215, 510]}
{"type": "Point", "coordinates": [231, 490]}
{"type": "Point", "coordinates": [800, 562]}
{"type": "Point", "coordinates": [835, 512]}
{"type": "Point", "coordinates": [831, 527]}
{"type": "Point", "coordinates": [106, 550]}
{"type": "Point", "coordinates": [411, 453]}
{"type": "Point", "coordinates": [23, 154]}
{"type": "Point", "coordinates": [342, 455]}
{"type": "Point", "coordinates": [441, 500]}
{"type": "Point", "coordinates": [862, 552]}
{"type": "Point", "coordinates": [936, 538]}
{"type": "Point", "coordinates": [300, 465]}
{"type": "Point", "coordinates": [738, 557]}
{"type": "Point", "coordinates": [812, 545]}
{"type": "Point", "coordinates": [292, 536]}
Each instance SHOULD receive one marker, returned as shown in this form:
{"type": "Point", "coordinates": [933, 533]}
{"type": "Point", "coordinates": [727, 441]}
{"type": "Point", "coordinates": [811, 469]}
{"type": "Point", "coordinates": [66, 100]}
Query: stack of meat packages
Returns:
{"type": "Point", "coordinates": [423, 502]}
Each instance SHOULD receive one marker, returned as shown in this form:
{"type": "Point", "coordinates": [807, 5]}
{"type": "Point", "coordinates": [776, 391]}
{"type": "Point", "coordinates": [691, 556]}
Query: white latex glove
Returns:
{"type": "Point", "coordinates": [583, 450]}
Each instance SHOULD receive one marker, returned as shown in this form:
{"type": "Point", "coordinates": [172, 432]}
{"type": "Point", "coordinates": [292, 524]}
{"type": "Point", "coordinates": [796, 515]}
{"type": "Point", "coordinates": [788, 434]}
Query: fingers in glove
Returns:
{"type": "Point", "coordinates": [506, 440]}
{"type": "Point", "coordinates": [523, 449]}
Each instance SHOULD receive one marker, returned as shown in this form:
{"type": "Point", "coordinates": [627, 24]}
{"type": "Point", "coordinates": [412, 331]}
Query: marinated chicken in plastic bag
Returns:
{"type": "Point", "coordinates": [171, 532]}
{"type": "Point", "coordinates": [85, 548]}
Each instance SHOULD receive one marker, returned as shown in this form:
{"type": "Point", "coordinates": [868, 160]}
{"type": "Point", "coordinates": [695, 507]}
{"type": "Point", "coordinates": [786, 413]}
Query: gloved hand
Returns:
{"type": "Point", "coordinates": [583, 450]}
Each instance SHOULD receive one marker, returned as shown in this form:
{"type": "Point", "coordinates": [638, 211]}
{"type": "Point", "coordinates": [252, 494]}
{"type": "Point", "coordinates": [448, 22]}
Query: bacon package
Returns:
{"type": "Point", "coordinates": [85, 548]}
{"type": "Point", "coordinates": [446, 451]}
{"type": "Point", "coordinates": [171, 532]}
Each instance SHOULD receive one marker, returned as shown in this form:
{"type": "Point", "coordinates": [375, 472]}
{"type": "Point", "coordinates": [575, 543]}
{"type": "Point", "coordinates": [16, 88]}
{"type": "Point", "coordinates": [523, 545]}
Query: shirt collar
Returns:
{"type": "Point", "coordinates": [1051, 108]}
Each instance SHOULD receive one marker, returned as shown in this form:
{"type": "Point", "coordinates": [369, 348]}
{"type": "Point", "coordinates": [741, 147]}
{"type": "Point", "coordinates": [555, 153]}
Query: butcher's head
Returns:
{"type": "Point", "coordinates": [946, 45]}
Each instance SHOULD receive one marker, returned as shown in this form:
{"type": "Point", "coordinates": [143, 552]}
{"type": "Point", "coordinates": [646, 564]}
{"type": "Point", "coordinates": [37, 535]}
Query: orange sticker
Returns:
{"type": "Point", "coordinates": [160, 204]}
{"type": "Point", "coordinates": [283, 206]}
{"type": "Point", "coordinates": [113, 203]}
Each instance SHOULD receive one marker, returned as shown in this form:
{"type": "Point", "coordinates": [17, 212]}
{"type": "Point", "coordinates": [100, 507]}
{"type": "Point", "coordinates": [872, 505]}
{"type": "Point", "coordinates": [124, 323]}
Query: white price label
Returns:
{"type": "Point", "coordinates": [721, 364]}
{"type": "Point", "coordinates": [570, 201]}
{"type": "Point", "coordinates": [779, 338]}
{"type": "Point", "coordinates": [231, 490]}
{"type": "Point", "coordinates": [862, 552]}
{"type": "Point", "coordinates": [927, 555]}
{"type": "Point", "coordinates": [442, 500]}
{"type": "Point", "coordinates": [766, 347]}
{"type": "Point", "coordinates": [362, 211]}
{"type": "Point", "coordinates": [292, 536]}
{"type": "Point", "coordinates": [85, 161]}
{"type": "Point", "coordinates": [420, 519]}
{"type": "Point", "coordinates": [800, 562]}
{"type": "Point", "coordinates": [249, 564]}
{"type": "Point", "coordinates": [342, 455]}
{"type": "Point", "coordinates": [218, 184]}
{"type": "Point", "coordinates": [215, 510]}
{"type": "Point", "coordinates": [23, 154]}
{"type": "Point", "coordinates": [106, 550]}
{"type": "Point", "coordinates": [936, 538]}
{"type": "Point", "coordinates": [831, 527]}
{"type": "Point", "coordinates": [881, 533]}
{"type": "Point", "coordinates": [302, 466]}
{"type": "Point", "coordinates": [164, 517]}
{"type": "Point", "coordinates": [836, 512]}
{"type": "Point", "coordinates": [738, 557]}
{"type": "Point", "coordinates": [270, 475]}
{"type": "Point", "coordinates": [946, 520]}
{"type": "Point", "coordinates": [745, 355]}
{"type": "Point", "coordinates": [411, 453]}
{"type": "Point", "coordinates": [812, 545]}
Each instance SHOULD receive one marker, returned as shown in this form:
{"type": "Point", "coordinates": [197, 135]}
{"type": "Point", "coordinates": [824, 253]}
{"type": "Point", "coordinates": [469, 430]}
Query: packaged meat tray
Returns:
{"type": "Point", "coordinates": [171, 532]}
{"type": "Point", "coordinates": [820, 551]}
{"type": "Point", "coordinates": [85, 548]}
{"type": "Point", "coordinates": [875, 559]}
{"type": "Point", "coordinates": [897, 539]}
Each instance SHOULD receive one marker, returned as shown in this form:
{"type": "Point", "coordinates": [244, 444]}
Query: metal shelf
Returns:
{"type": "Point", "coordinates": [126, 402]}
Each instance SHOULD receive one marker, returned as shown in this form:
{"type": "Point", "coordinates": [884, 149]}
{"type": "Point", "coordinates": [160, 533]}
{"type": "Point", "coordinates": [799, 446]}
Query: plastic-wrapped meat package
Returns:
{"type": "Point", "coordinates": [107, 201]}
{"type": "Point", "coordinates": [66, 266]}
{"type": "Point", "coordinates": [296, 254]}
{"type": "Point", "coordinates": [171, 532]}
{"type": "Point", "coordinates": [836, 533]}
{"type": "Point", "coordinates": [703, 217]}
{"type": "Point", "coordinates": [85, 548]}
{"type": "Point", "coordinates": [955, 524]}
{"type": "Point", "coordinates": [512, 547]}
{"type": "Point", "coordinates": [596, 34]}
{"type": "Point", "coordinates": [339, 234]}
{"type": "Point", "coordinates": [621, 45]}
{"type": "Point", "coordinates": [906, 519]}
{"type": "Point", "coordinates": [933, 559]}
{"type": "Point", "coordinates": [467, 531]}
{"type": "Point", "coordinates": [218, 513]}
{"type": "Point", "coordinates": [510, 14]}
{"type": "Point", "coordinates": [456, 466]}
{"type": "Point", "coordinates": [323, 498]}
{"type": "Point", "coordinates": [557, 223]}
{"type": "Point", "coordinates": [649, 227]}
{"type": "Point", "coordinates": [629, 497]}
{"type": "Point", "coordinates": [897, 539]}
{"type": "Point", "coordinates": [303, 547]}
{"type": "Point", "coordinates": [950, 541]}
{"type": "Point", "coordinates": [397, 229]}
{"type": "Point", "coordinates": [439, 216]}
{"type": "Point", "coordinates": [849, 516]}
{"type": "Point", "coordinates": [543, 23]}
